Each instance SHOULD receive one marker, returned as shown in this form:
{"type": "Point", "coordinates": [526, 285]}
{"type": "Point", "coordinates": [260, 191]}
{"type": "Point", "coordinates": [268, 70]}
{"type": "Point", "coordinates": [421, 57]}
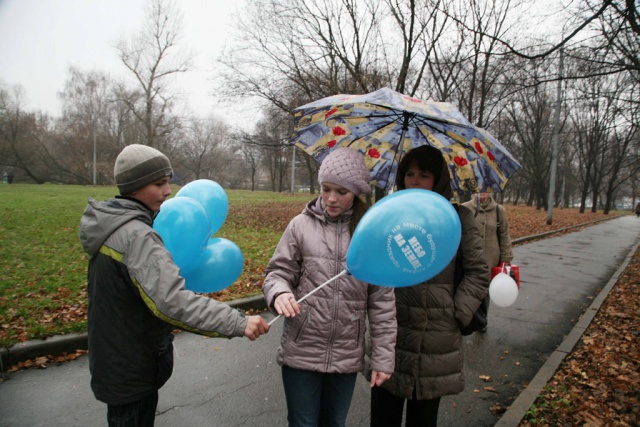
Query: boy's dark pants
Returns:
{"type": "Point", "coordinates": [137, 414]}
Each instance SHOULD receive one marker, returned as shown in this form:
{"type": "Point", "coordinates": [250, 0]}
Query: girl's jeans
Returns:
{"type": "Point", "coordinates": [317, 399]}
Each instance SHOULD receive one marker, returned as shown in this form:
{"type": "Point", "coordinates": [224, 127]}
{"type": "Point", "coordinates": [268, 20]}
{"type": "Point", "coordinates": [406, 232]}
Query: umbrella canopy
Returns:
{"type": "Point", "coordinates": [383, 125]}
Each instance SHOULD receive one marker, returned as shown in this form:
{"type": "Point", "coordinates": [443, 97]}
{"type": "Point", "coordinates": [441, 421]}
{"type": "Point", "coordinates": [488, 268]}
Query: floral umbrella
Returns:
{"type": "Point", "coordinates": [383, 125]}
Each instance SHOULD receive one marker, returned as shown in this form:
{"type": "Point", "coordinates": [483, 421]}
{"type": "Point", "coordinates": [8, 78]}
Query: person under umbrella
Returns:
{"type": "Point", "coordinates": [429, 360]}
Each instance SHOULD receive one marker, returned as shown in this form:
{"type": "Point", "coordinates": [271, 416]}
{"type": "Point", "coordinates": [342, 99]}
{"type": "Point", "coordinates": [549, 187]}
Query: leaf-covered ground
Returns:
{"type": "Point", "coordinates": [598, 384]}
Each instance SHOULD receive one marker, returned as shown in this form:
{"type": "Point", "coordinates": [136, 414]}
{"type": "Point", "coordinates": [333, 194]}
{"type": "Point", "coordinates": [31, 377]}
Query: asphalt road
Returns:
{"type": "Point", "coordinates": [218, 382]}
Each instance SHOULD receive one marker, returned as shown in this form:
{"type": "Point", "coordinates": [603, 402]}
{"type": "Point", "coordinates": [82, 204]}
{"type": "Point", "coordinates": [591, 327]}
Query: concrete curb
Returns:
{"type": "Point", "coordinates": [60, 344]}
{"type": "Point", "coordinates": [519, 408]}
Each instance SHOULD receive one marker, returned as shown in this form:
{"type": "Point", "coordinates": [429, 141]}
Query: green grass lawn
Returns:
{"type": "Point", "coordinates": [43, 281]}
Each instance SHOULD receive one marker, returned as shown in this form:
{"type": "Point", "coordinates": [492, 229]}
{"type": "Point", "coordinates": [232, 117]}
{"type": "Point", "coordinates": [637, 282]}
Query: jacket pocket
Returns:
{"type": "Point", "coordinates": [359, 323]}
{"type": "Point", "coordinates": [301, 323]}
{"type": "Point", "coordinates": [353, 323]}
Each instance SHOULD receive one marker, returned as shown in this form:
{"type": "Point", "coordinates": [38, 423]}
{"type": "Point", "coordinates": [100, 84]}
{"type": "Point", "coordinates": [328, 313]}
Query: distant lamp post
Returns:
{"type": "Point", "coordinates": [94, 149]}
{"type": "Point", "coordinates": [92, 86]}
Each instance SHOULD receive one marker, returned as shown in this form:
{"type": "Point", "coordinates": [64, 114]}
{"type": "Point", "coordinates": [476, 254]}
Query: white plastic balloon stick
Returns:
{"type": "Point", "coordinates": [342, 273]}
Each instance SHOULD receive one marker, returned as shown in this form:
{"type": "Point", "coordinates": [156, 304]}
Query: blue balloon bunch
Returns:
{"type": "Point", "coordinates": [406, 238]}
{"type": "Point", "coordinates": [187, 223]}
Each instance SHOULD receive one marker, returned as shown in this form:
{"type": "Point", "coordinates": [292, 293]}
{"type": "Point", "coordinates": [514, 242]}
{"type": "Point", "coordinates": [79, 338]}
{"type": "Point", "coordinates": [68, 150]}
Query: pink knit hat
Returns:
{"type": "Point", "coordinates": [345, 167]}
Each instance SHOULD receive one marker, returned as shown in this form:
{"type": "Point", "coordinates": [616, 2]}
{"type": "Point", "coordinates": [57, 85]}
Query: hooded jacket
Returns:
{"type": "Point", "coordinates": [495, 238]}
{"type": "Point", "coordinates": [429, 357]}
{"type": "Point", "coordinates": [136, 298]}
{"type": "Point", "coordinates": [329, 334]}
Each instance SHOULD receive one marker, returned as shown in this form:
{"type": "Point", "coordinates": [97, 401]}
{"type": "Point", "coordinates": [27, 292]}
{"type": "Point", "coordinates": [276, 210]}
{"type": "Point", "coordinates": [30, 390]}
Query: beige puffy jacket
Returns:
{"type": "Point", "coordinates": [329, 335]}
{"type": "Point", "coordinates": [495, 239]}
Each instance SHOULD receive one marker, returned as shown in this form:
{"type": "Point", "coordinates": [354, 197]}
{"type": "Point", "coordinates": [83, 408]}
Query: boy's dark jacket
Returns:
{"type": "Point", "coordinates": [136, 298]}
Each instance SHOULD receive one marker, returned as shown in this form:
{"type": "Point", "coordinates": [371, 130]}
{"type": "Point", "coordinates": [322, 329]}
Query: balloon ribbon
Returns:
{"type": "Point", "coordinates": [342, 273]}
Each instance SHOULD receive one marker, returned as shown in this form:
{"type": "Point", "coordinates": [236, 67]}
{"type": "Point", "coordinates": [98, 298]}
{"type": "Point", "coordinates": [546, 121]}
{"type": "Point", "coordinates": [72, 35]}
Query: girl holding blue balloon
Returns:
{"type": "Point", "coordinates": [323, 342]}
{"type": "Point", "coordinates": [429, 359]}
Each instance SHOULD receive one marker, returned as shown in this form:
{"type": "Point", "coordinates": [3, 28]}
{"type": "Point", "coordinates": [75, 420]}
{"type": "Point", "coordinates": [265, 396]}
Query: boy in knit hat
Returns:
{"type": "Point", "coordinates": [323, 342]}
{"type": "Point", "coordinates": [136, 294]}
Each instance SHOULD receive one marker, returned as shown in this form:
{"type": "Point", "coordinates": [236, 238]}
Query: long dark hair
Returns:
{"type": "Point", "coordinates": [360, 207]}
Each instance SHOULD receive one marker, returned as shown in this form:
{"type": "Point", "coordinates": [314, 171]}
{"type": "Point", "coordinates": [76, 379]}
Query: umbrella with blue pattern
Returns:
{"type": "Point", "coordinates": [384, 125]}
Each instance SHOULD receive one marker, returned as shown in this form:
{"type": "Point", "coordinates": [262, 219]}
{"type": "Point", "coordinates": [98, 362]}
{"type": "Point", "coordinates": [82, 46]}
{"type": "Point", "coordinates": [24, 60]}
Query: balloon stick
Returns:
{"type": "Point", "coordinates": [342, 273]}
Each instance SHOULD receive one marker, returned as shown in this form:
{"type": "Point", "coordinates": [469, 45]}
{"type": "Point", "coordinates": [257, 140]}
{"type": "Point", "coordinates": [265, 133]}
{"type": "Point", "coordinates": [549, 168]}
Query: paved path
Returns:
{"type": "Point", "coordinates": [236, 382]}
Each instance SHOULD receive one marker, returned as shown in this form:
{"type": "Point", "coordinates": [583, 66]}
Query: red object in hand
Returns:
{"type": "Point", "coordinates": [511, 269]}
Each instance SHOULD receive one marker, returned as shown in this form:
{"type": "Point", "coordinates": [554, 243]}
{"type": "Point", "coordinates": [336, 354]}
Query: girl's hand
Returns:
{"type": "Point", "coordinates": [377, 378]}
{"type": "Point", "coordinates": [286, 305]}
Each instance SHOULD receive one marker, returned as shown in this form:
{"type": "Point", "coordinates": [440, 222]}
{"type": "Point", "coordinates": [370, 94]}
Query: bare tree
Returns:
{"type": "Point", "coordinates": [530, 113]}
{"type": "Point", "coordinates": [420, 27]}
{"type": "Point", "coordinates": [85, 100]}
{"type": "Point", "coordinates": [618, 25]}
{"type": "Point", "coordinates": [311, 168]}
{"type": "Point", "coordinates": [474, 54]}
{"type": "Point", "coordinates": [251, 155]}
{"type": "Point", "coordinates": [154, 57]}
{"type": "Point", "coordinates": [481, 82]}
{"type": "Point", "coordinates": [203, 149]}
{"type": "Point", "coordinates": [591, 121]}
{"type": "Point", "coordinates": [272, 137]}
{"type": "Point", "coordinates": [444, 55]}
{"type": "Point", "coordinates": [620, 164]}
{"type": "Point", "coordinates": [294, 51]}
{"type": "Point", "coordinates": [13, 125]}
{"type": "Point", "coordinates": [21, 137]}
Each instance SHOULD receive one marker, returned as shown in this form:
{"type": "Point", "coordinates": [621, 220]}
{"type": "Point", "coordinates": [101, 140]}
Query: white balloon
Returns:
{"type": "Point", "coordinates": [503, 290]}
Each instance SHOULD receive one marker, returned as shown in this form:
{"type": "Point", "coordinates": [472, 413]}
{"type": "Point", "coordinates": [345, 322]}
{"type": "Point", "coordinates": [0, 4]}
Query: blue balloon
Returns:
{"type": "Point", "coordinates": [218, 267]}
{"type": "Point", "coordinates": [212, 197]}
{"type": "Point", "coordinates": [404, 239]}
{"type": "Point", "coordinates": [184, 227]}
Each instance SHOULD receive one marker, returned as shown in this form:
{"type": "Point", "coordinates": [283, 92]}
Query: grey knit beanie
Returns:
{"type": "Point", "coordinates": [345, 167]}
{"type": "Point", "coordinates": [139, 165]}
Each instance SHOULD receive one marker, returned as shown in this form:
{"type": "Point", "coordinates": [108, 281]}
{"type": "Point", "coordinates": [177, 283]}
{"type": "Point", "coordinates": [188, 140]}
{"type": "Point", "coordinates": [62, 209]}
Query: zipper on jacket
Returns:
{"type": "Point", "coordinates": [336, 295]}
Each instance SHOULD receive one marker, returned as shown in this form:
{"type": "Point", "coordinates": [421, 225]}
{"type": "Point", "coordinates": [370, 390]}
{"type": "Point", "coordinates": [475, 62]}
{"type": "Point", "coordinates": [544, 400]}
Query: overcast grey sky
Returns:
{"type": "Point", "coordinates": [40, 39]}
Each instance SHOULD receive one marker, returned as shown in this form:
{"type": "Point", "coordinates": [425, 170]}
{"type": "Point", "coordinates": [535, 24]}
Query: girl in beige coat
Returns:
{"type": "Point", "coordinates": [491, 219]}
